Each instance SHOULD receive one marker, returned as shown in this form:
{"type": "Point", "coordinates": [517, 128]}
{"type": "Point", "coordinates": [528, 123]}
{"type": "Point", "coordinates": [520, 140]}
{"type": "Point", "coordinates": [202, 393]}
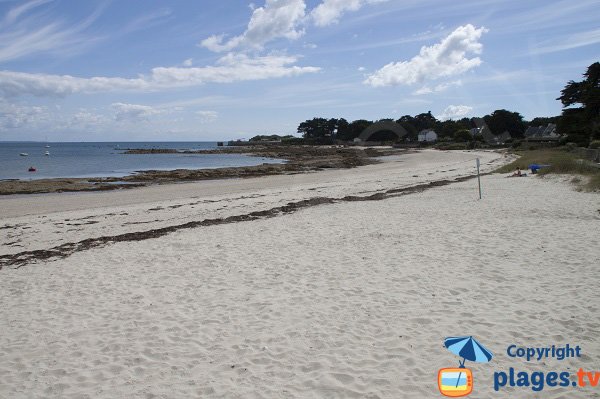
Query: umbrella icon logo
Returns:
{"type": "Point", "coordinates": [458, 381]}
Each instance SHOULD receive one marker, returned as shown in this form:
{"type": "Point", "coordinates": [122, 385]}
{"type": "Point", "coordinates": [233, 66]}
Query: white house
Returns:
{"type": "Point", "coordinates": [427, 135]}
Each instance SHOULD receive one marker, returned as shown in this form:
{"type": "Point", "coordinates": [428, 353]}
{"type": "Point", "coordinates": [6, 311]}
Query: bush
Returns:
{"type": "Point", "coordinates": [563, 140]}
{"type": "Point", "coordinates": [570, 146]}
{"type": "Point", "coordinates": [595, 144]}
{"type": "Point", "coordinates": [560, 162]}
{"type": "Point", "coordinates": [571, 165]}
{"type": "Point", "coordinates": [471, 145]}
{"type": "Point", "coordinates": [454, 146]}
{"type": "Point", "coordinates": [293, 141]}
{"type": "Point", "coordinates": [462, 136]}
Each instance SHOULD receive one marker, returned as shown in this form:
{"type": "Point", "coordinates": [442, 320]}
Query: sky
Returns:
{"type": "Point", "coordinates": [208, 70]}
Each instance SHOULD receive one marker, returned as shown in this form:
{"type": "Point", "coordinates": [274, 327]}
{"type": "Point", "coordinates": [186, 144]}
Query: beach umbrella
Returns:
{"type": "Point", "coordinates": [469, 349]}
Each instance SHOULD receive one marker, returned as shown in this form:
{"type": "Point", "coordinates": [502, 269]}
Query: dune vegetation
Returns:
{"type": "Point", "coordinates": [586, 174]}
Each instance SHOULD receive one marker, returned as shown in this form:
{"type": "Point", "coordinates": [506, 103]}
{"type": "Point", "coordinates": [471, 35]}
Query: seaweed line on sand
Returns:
{"type": "Point", "coordinates": [62, 251]}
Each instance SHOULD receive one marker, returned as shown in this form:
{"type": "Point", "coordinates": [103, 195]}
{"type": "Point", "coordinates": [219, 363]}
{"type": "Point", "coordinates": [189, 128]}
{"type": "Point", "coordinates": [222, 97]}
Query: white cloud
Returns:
{"type": "Point", "coordinates": [438, 88]}
{"type": "Point", "coordinates": [23, 33]}
{"type": "Point", "coordinates": [14, 116]}
{"type": "Point", "coordinates": [283, 19]}
{"type": "Point", "coordinates": [85, 118]}
{"type": "Point", "coordinates": [147, 21]}
{"type": "Point", "coordinates": [230, 68]}
{"type": "Point", "coordinates": [330, 11]}
{"type": "Point", "coordinates": [277, 19]}
{"type": "Point", "coordinates": [207, 116]}
{"type": "Point", "coordinates": [580, 39]}
{"type": "Point", "coordinates": [455, 112]}
{"type": "Point", "coordinates": [126, 112]}
{"type": "Point", "coordinates": [13, 14]}
{"type": "Point", "coordinates": [445, 59]}
{"type": "Point", "coordinates": [19, 117]}
{"type": "Point", "coordinates": [188, 63]}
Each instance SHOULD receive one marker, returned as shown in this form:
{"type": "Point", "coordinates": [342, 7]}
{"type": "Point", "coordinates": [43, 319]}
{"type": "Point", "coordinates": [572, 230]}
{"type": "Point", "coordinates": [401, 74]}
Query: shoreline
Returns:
{"type": "Point", "coordinates": [44, 221]}
{"type": "Point", "coordinates": [300, 159]}
{"type": "Point", "coordinates": [24, 258]}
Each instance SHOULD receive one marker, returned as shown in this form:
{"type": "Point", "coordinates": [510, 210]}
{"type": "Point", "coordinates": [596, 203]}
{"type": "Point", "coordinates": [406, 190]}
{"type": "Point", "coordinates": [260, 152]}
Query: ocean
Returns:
{"type": "Point", "coordinates": [108, 159]}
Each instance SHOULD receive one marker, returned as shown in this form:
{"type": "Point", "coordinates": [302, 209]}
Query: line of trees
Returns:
{"type": "Point", "coordinates": [580, 119]}
{"type": "Point", "coordinates": [499, 121]}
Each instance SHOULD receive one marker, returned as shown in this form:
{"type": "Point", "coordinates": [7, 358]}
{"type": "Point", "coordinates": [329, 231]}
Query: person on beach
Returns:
{"type": "Point", "coordinates": [517, 172]}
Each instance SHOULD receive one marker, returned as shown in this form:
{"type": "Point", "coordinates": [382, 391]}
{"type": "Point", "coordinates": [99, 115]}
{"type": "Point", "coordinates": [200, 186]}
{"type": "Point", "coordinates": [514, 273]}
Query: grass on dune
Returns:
{"type": "Point", "coordinates": [561, 162]}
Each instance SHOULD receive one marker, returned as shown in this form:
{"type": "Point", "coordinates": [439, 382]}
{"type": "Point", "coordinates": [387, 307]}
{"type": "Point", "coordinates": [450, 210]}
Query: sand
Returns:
{"type": "Point", "coordinates": [344, 300]}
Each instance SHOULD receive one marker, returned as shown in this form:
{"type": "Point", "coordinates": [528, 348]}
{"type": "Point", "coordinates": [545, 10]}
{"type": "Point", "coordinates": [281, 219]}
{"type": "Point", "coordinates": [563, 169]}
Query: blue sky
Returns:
{"type": "Point", "coordinates": [216, 70]}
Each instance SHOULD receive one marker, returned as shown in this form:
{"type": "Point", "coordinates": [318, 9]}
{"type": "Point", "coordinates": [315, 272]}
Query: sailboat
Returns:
{"type": "Point", "coordinates": [47, 153]}
{"type": "Point", "coordinates": [24, 154]}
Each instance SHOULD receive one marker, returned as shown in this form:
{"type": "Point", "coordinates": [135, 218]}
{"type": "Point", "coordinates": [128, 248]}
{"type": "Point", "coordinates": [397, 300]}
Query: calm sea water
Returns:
{"type": "Point", "coordinates": [108, 159]}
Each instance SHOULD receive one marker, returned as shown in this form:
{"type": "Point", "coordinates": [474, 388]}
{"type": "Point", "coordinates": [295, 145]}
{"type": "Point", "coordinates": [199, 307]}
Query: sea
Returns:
{"type": "Point", "coordinates": [104, 159]}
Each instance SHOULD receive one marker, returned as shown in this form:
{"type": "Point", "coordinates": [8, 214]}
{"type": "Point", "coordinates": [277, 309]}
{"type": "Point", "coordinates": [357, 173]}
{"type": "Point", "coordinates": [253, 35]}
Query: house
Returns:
{"type": "Point", "coordinates": [542, 133]}
{"type": "Point", "coordinates": [488, 136]}
{"type": "Point", "coordinates": [427, 135]}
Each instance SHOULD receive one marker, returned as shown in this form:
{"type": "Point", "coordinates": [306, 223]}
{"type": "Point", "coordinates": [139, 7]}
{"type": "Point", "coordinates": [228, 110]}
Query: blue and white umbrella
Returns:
{"type": "Point", "coordinates": [469, 349]}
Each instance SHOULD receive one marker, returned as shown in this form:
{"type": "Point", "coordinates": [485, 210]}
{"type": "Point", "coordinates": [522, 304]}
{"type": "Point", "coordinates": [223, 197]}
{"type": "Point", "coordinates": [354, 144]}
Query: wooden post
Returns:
{"type": "Point", "coordinates": [478, 178]}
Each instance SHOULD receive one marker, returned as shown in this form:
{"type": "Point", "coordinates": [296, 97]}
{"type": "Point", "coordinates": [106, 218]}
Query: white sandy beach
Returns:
{"type": "Point", "coordinates": [343, 300]}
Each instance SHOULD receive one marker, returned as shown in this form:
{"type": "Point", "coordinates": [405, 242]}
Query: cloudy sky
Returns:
{"type": "Point", "coordinates": [215, 70]}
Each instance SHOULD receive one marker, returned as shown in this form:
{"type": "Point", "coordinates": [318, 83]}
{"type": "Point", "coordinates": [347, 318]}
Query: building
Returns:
{"type": "Point", "coordinates": [542, 133]}
{"type": "Point", "coordinates": [486, 132]}
{"type": "Point", "coordinates": [428, 136]}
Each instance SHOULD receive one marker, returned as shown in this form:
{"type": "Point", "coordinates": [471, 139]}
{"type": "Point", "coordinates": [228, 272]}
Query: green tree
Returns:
{"type": "Point", "coordinates": [272, 137]}
{"type": "Point", "coordinates": [424, 121]}
{"type": "Point", "coordinates": [318, 129]}
{"type": "Point", "coordinates": [353, 130]}
{"type": "Point", "coordinates": [408, 123]}
{"type": "Point", "coordinates": [448, 127]}
{"type": "Point", "coordinates": [502, 120]}
{"type": "Point", "coordinates": [462, 136]}
{"type": "Point", "coordinates": [342, 128]}
{"type": "Point", "coordinates": [582, 124]}
{"type": "Point", "coordinates": [541, 121]}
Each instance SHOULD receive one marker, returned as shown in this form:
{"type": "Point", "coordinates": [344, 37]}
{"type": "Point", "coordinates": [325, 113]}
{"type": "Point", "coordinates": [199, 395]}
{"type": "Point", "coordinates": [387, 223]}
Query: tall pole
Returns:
{"type": "Point", "coordinates": [478, 178]}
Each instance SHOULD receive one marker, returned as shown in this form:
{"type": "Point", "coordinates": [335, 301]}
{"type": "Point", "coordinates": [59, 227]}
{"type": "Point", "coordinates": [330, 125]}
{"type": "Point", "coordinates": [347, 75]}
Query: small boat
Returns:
{"type": "Point", "coordinates": [47, 146]}
{"type": "Point", "coordinates": [24, 154]}
{"type": "Point", "coordinates": [47, 153]}
{"type": "Point", "coordinates": [32, 169]}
